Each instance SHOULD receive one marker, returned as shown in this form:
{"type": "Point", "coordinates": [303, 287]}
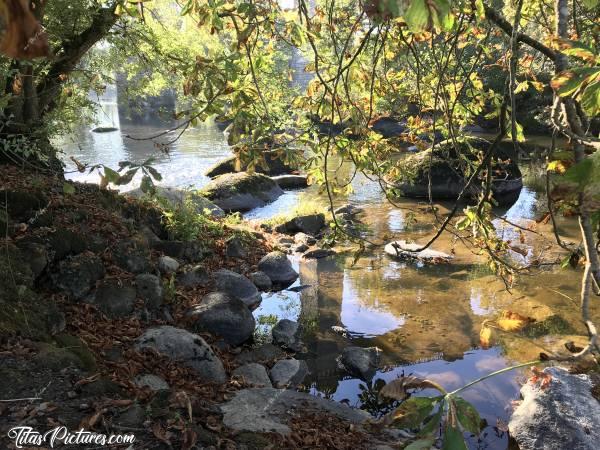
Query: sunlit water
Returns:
{"type": "Point", "coordinates": [425, 319]}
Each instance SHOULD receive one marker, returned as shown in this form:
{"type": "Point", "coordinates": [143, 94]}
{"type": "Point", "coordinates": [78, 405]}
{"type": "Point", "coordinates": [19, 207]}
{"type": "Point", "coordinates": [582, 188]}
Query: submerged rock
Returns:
{"type": "Point", "coordinates": [288, 373]}
{"type": "Point", "coordinates": [563, 415]}
{"type": "Point", "coordinates": [279, 269]}
{"type": "Point", "coordinates": [184, 347]}
{"type": "Point", "coordinates": [360, 362]}
{"type": "Point", "coordinates": [266, 410]}
{"type": "Point", "coordinates": [237, 285]}
{"type": "Point", "coordinates": [288, 334]}
{"type": "Point", "coordinates": [242, 191]}
{"type": "Point", "coordinates": [224, 316]}
{"type": "Point", "coordinates": [405, 250]}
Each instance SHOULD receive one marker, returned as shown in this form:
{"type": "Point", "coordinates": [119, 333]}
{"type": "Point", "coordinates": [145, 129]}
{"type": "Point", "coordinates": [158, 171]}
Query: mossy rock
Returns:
{"type": "Point", "coordinates": [241, 191]}
{"type": "Point", "coordinates": [552, 325]}
{"type": "Point", "coordinates": [79, 348]}
{"type": "Point", "coordinates": [449, 167]}
{"type": "Point", "coordinates": [56, 358]}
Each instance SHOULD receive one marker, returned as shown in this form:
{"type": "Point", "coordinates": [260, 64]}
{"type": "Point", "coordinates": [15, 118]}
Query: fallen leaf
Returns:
{"type": "Point", "coordinates": [397, 389]}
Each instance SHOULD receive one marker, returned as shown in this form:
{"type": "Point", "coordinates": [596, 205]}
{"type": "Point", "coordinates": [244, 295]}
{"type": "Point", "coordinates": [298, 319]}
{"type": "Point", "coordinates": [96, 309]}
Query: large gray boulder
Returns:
{"type": "Point", "coordinates": [177, 197]}
{"type": "Point", "coordinates": [288, 334]}
{"type": "Point", "coordinates": [186, 348]}
{"type": "Point", "coordinates": [279, 269]}
{"type": "Point", "coordinates": [563, 415]}
{"type": "Point", "coordinates": [238, 286]}
{"type": "Point", "coordinates": [288, 373]}
{"type": "Point", "coordinates": [242, 191]}
{"type": "Point", "coordinates": [264, 410]}
{"type": "Point", "coordinates": [360, 362]}
{"type": "Point", "coordinates": [223, 315]}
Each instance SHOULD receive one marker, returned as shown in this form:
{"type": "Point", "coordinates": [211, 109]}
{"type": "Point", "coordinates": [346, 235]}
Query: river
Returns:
{"type": "Point", "coordinates": [425, 318]}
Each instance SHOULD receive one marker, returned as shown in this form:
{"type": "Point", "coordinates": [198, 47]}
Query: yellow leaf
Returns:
{"type": "Point", "coordinates": [512, 321]}
{"type": "Point", "coordinates": [485, 336]}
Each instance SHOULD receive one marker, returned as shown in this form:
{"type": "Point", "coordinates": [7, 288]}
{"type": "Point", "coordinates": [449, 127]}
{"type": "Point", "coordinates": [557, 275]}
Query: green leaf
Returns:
{"type": "Point", "coordinates": [417, 15]}
{"type": "Point", "coordinates": [591, 4]}
{"type": "Point", "coordinates": [453, 439]}
{"type": "Point", "coordinates": [68, 188]}
{"type": "Point", "coordinates": [580, 173]}
{"type": "Point", "coordinates": [155, 173]}
{"type": "Point", "coordinates": [590, 99]}
{"type": "Point", "coordinates": [125, 179]}
{"type": "Point", "coordinates": [147, 186]}
{"type": "Point", "coordinates": [111, 176]}
{"type": "Point", "coordinates": [576, 49]}
{"type": "Point", "coordinates": [569, 81]}
{"type": "Point", "coordinates": [467, 416]}
{"type": "Point", "coordinates": [421, 444]}
{"type": "Point", "coordinates": [412, 412]}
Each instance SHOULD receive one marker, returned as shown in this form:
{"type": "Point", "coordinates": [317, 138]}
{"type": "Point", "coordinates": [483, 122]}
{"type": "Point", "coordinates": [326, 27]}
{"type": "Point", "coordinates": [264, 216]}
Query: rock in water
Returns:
{"type": "Point", "coordinates": [279, 269]}
{"type": "Point", "coordinates": [266, 410]}
{"type": "Point", "coordinates": [291, 181]}
{"type": "Point", "coordinates": [242, 191]}
{"type": "Point", "coordinates": [288, 334]}
{"type": "Point", "coordinates": [360, 362]}
{"type": "Point", "coordinates": [310, 224]}
{"type": "Point", "coordinates": [225, 316]}
{"type": "Point", "coordinates": [261, 280]}
{"type": "Point", "coordinates": [405, 250]}
{"type": "Point", "coordinates": [238, 286]}
{"type": "Point", "coordinates": [563, 415]}
{"type": "Point", "coordinates": [186, 348]}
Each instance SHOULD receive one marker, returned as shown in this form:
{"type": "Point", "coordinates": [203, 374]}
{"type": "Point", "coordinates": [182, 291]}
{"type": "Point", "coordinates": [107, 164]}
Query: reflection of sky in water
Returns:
{"type": "Point", "coordinates": [365, 320]}
{"type": "Point", "coordinates": [286, 203]}
{"type": "Point", "coordinates": [396, 220]}
{"type": "Point", "coordinates": [487, 395]}
{"type": "Point", "coordinates": [476, 304]}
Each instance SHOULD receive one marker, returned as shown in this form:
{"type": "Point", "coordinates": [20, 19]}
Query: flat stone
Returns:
{"type": "Point", "coordinates": [261, 280]}
{"type": "Point", "coordinates": [288, 334]}
{"type": "Point", "coordinates": [563, 415]}
{"type": "Point", "coordinates": [238, 286]}
{"type": "Point", "coordinates": [186, 348]}
{"type": "Point", "coordinates": [224, 316]}
{"type": "Point", "coordinates": [149, 288]}
{"type": "Point", "coordinates": [405, 250]}
{"type": "Point", "coordinates": [288, 373]}
{"type": "Point", "coordinates": [167, 265]}
{"type": "Point", "coordinates": [266, 410]}
{"type": "Point", "coordinates": [279, 269]}
{"type": "Point", "coordinates": [153, 382]}
{"type": "Point", "coordinates": [254, 374]}
{"type": "Point", "coordinates": [319, 253]}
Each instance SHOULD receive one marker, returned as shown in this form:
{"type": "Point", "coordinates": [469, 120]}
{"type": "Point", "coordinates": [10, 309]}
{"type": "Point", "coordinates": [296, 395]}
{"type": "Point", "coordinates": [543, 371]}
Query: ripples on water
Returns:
{"type": "Point", "coordinates": [426, 319]}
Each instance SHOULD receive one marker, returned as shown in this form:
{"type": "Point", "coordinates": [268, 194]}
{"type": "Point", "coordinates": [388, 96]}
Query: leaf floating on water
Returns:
{"type": "Point", "coordinates": [485, 336]}
{"type": "Point", "coordinates": [397, 389]}
{"type": "Point", "coordinates": [412, 412]}
{"type": "Point", "coordinates": [453, 438]}
{"type": "Point", "coordinates": [512, 321]}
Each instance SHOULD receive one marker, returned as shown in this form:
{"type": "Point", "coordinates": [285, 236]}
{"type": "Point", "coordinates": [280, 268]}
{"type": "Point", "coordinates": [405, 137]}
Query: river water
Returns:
{"type": "Point", "coordinates": [426, 319]}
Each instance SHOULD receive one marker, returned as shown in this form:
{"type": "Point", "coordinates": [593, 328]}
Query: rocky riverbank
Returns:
{"type": "Point", "coordinates": [113, 319]}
